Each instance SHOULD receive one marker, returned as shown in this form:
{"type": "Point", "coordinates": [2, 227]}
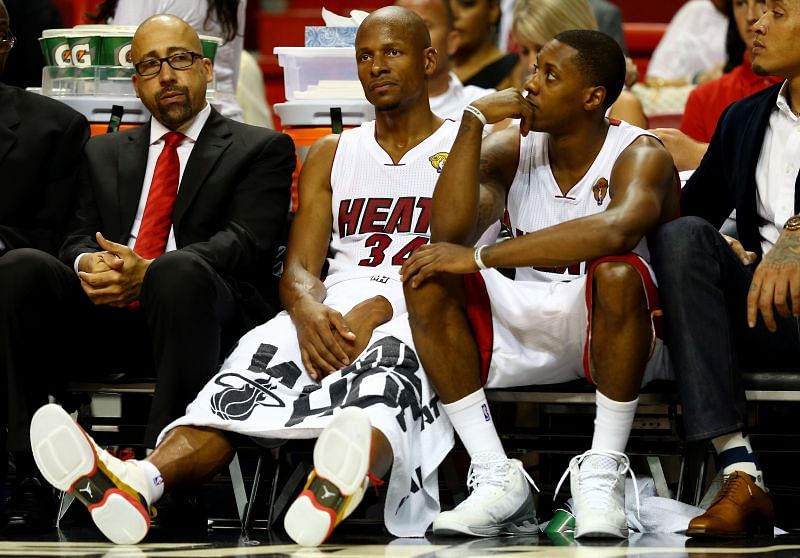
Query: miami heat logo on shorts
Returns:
{"type": "Point", "coordinates": [241, 396]}
{"type": "Point", "coordinates": [437, 161]}
{"type": "Point", "coordinates": [600, 190]}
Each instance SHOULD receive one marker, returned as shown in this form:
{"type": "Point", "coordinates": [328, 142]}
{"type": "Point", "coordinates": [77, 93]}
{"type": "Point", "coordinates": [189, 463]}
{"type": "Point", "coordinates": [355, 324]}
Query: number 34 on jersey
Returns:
{"type": "Point", "coordinates": [392, 227]}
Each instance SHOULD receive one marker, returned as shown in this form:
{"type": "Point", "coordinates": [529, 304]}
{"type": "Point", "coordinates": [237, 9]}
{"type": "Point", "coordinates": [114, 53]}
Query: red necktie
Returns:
{"type": "Point", "coordinates": [157, 217]}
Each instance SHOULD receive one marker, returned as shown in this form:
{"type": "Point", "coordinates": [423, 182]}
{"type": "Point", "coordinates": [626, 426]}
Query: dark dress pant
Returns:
{"type": "Point", "coordinates": [703, 289]}
{"type": "Point", "coordinates": [51, 333]}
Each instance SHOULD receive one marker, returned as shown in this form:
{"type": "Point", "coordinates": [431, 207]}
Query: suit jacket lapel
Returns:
{"type": "Point", "coordinates": [9, 120]}
{"type": "Point", "coordinates": [797, 194]}
{"type": "Point", "coordinates": [132, 159]}
{"type": "Point", "coordinates": [213, 140]}
{"type": "Point", "coordinates": [755, 130]}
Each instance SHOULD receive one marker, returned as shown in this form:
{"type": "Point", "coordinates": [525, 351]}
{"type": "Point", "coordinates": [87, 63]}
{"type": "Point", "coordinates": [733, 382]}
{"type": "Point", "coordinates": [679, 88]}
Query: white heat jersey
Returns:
{"type": "Point", "coordinates": [536, 202]}
{"type": "Point", "coordinates": [381, 210]}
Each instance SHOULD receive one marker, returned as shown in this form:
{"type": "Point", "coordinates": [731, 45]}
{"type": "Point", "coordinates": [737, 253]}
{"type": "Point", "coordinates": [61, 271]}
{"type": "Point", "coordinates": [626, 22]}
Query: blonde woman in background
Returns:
{"type": "Point", "coordinates": [537, 21]}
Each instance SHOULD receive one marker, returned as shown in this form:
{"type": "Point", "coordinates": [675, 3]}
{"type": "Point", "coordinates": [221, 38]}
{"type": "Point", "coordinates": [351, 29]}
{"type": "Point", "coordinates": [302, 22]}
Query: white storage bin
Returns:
{"type": "Point", "coordinates": [315, 73]}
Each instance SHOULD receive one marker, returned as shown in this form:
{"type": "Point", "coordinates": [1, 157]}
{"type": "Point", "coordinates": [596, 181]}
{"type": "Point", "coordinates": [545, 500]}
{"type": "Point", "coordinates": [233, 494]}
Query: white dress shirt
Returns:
{"type": "Point", "coordinates": [693, 43]}
{"type": "Point", "coordinates": [192, 131]}
{"type": "Point", "coordinates": [776, 171]}
{"type": "Point", "coordinates": [450, 104]}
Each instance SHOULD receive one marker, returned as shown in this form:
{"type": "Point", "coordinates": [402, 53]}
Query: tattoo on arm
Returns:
{"type": "Point", "coordinates": [491, 203]}
{"type": "Point", "coordinates": [468, 124]}
{"type": "Point", "coordinates": [786, 250]}
{"type": "Point", "coordinates": [486, 215]}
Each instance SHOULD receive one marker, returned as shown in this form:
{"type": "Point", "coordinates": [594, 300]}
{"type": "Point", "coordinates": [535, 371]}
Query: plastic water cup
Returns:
{"type": "Point", "coordinates": [85, 49]}
{"type": "Point", "coordinates": [115, 50]}
{"type": "Point", "coordinates": [55, 47]}
{"type": "Point", "coordinates": [562, 522]}
{"type": "Point", "coordinates": [210, 46]}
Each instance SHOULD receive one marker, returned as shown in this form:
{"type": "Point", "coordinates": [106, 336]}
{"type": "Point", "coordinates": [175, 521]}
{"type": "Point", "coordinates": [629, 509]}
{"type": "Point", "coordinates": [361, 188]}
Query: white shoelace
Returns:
{"type": "Point", "coordinates": [494, 472]}
{"type": "Point", "coordinates": [603, 478]}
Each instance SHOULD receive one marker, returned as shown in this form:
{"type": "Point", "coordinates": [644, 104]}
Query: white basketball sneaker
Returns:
{"type": "Point", "coordinates": [337, 484]}
{"type": "Point", "coordinates": [597, 480]}
{"type": "Point", "coordinates": [115, 492]}
{"type": "Point", "coordinates": [500, 502]}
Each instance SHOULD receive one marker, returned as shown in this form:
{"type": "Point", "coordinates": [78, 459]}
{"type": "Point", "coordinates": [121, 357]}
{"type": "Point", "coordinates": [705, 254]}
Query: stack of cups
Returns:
{"type": "Point", "coordinates": [95, 59]}
{"type": "Point", "coordinates": [100, 45]}
{"type": "Point", "coordinates": [85, 46]}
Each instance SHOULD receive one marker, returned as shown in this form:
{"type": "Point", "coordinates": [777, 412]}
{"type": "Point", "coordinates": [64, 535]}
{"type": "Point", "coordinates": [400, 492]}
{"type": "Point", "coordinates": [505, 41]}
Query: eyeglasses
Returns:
{"type": "Point", "coordinates": [177, 61]}
{"type": "Point", "coordinates": [7, 41]}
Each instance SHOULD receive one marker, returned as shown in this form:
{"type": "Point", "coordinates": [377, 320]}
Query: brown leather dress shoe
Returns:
{"type": "Point", "coordinates": [741, 508]}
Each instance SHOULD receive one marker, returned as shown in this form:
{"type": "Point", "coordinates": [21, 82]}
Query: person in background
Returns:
{"type": "Point", "coordinates": [692, 49]}
{"type": "Point", "coordinates": [477, 60]}
{"type": "Point", "coordinates": [608, 16]}
{"type": "Point", "coordinates": [447, 95]}
{"type": "Point", "coordinates": [221, 18]}
{"type": "Point", "coordinates": [251, 93]}
{"type": "Point", "coordinates": [537, 21]}
{"type": "Point", "coordinates": [609, 21]}
{"type": "Point", "coordinates": [707, 101]}
{"type": "Point", "coordinates": [41, 141]}
{"type": "Point", "coordinates": [30, 17]}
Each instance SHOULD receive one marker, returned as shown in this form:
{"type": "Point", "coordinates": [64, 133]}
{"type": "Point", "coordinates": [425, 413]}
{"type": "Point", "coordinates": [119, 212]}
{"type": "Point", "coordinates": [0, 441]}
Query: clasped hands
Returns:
{"type": "Point", "coordinates": [114, 276]}
{"type": "Point", "coordinates": [329, 341]}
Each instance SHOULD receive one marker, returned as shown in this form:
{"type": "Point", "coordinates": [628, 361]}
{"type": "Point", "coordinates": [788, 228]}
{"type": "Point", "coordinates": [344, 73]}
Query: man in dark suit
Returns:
{"type": "Point", "coordinates": [713, 288]}
{"type": "Point", "coordinates": [40, 144]}
{"type": "Point", "coordinates": [30, 17]}
{"type": "Point", "coordinates": [169, 248]}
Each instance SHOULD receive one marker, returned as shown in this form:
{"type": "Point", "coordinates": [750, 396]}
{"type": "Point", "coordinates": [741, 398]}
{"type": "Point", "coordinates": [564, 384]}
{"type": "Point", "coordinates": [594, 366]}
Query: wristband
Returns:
{"type": "Point", "coordinates": [478, 259]}
{"type": "Point", "coordinates": [476, 113]}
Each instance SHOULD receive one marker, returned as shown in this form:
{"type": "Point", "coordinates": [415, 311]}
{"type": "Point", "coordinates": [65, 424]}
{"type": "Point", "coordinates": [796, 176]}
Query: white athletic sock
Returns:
{"type": "Point", "coordinates": [155, 481]}
{"type": "Point", "coordinates": [612, 423]}
{"type": "Point", "coordinates": [734, 453]}
{"type": "Point", "coordinates": [473, 423]}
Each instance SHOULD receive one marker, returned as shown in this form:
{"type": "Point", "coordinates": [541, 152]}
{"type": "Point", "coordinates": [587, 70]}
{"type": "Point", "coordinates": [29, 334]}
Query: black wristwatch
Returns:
{"type": "Point", "coordinates": [793, 223]}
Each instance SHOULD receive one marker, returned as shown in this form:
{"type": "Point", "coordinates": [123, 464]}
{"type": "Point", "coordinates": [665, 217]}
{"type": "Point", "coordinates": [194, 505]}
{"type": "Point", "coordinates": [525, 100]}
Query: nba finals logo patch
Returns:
{"type": "Point", "coordinates": [600, 190]}
{"type": "Point", "coordinates": [437, 161]}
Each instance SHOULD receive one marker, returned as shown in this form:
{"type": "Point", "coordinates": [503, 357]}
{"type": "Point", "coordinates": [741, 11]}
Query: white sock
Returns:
{"type": "Point", "coordinates": [155, 481]}
{"type": "Point", "coordinates": [734, 453]}
{"type": "Point", "coordinates": [612, 423]}
{"type": "Point", "coordinates": [473, 423]}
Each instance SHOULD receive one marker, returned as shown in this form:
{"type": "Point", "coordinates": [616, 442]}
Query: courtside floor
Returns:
{"type": "Point", "coordinates": [84, 542]}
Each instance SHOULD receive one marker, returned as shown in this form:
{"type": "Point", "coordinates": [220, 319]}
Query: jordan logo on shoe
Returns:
{"type": "Point", "coordinates": [87, 489]}
{"type": "Point", "coordinates": [326, 493]}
